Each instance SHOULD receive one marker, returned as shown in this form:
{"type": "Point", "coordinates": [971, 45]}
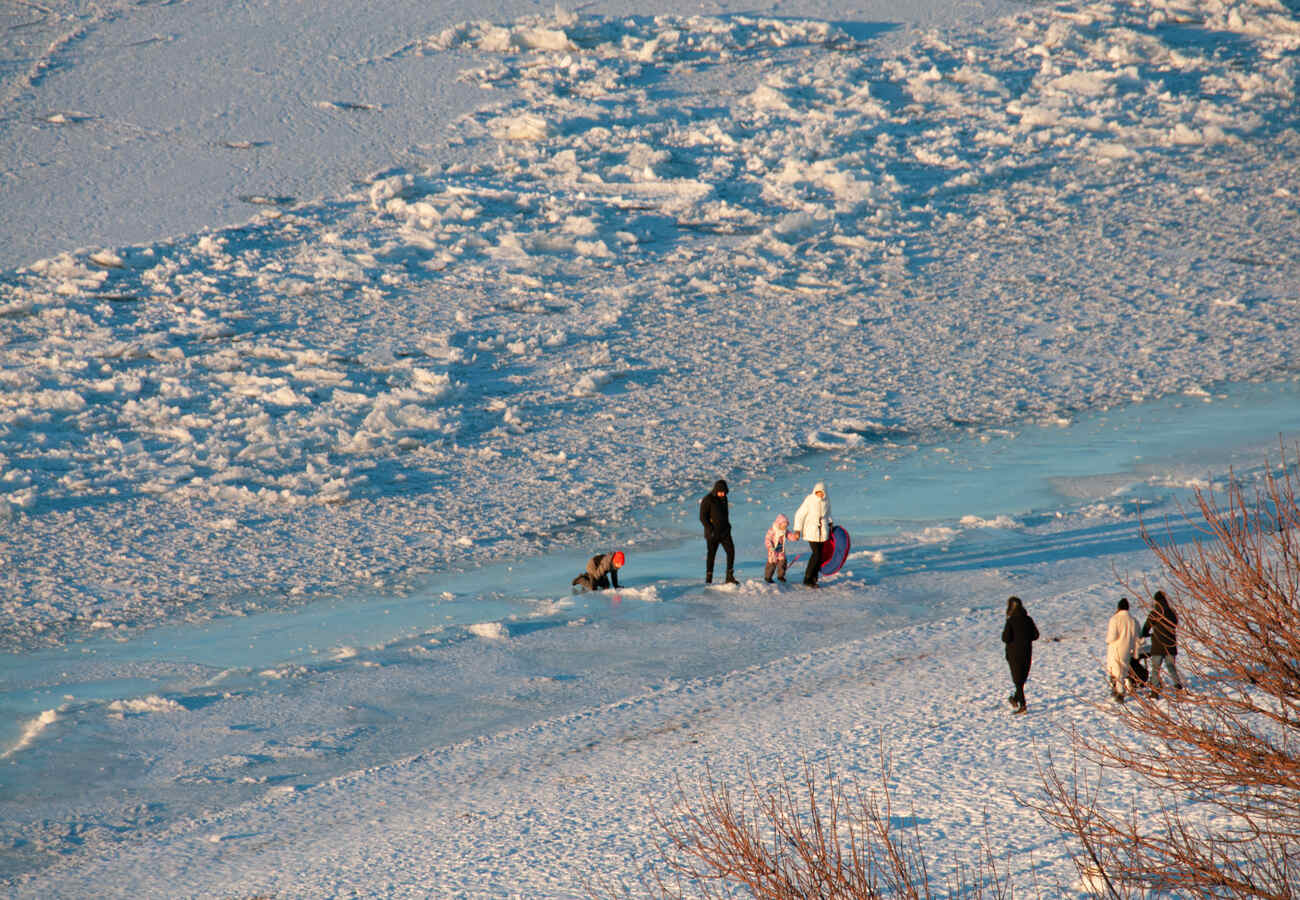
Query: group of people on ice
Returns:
{"type": "Point", "coordinates": [1124, 667]}
{"type": "Point", "coordinates": [1124, 657]}
{"type": "Point", "coordinates": [812, 523]}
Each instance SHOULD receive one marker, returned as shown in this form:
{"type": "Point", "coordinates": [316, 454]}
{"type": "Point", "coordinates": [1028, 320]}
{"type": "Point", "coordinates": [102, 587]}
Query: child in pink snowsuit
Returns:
{"type": "Point", "coordinates": [774, 541]}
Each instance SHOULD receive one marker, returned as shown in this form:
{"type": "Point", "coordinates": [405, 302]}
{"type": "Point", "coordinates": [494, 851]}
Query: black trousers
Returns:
{"type": "Point", "coordinates": [726, 544]}
{"type": "Point", "coordinates": [1019, 675]}
{"type": "Point", "coordinates": [814, 562]}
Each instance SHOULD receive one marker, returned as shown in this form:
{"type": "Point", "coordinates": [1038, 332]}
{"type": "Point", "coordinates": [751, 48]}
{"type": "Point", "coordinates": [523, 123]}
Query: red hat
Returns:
{"type": "Point", "coordinates": [618, 558]}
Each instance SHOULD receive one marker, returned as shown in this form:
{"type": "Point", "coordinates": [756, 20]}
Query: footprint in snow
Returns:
{"type": "Point", "coordinates": [348, 106]}
{"type": "Point", "coordinates": [268, 199]}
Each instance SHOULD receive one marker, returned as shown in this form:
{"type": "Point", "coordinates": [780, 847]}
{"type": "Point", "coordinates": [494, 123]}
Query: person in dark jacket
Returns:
{"type": "Point", "coordinates": [717, 530]}
{"type": "Point", "coordinates": [1162, 626]}
{"type": "Point", "coordinates": [1019, 634]}
{"type": "Point", "coordinates": [601, 570]}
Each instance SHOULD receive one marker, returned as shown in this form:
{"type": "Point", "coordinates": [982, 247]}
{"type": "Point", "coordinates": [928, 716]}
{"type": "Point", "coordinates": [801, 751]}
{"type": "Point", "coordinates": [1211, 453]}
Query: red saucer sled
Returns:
{"type": "Point", "coordinates": [834, 552]}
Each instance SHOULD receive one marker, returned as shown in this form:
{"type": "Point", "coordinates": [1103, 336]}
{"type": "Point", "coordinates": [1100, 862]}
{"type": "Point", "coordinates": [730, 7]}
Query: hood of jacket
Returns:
{"type": "Point", "coordinates": [813, 518]}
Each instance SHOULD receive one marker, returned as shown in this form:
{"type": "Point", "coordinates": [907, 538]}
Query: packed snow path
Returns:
{"type": "Point", "coordinates": [691, 247]}
{"type": "Point", "coordinates": [550, 807]}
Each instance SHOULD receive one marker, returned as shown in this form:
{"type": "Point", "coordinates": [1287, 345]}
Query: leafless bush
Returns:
{"type": "Point", "coordinates": [812, 839]}
{"type": "Point", "coordinates": [1225, 756]}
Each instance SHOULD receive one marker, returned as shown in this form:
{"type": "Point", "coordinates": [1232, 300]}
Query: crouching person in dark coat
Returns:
{"type": "Point", "coordinates": [1019, 635]}
{"type": "Point", "coordinates": [602, 570]}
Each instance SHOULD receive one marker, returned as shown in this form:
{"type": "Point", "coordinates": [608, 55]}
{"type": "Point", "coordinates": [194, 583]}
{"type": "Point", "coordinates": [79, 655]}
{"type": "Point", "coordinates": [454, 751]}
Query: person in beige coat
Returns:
{"type": "Point", "coordinates": [1121, 646]}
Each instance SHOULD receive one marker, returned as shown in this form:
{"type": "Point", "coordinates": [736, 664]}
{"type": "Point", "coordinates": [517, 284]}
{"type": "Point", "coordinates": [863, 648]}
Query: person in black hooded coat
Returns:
{"type": "Point", "coordinates": [1162, 626]}
{"type": "Point", "coordinates": [717, 530]}
{"type": "Point", "coordinates": [1019, 635]}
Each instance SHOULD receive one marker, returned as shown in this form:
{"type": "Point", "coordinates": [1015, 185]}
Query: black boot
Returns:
{"type": "Point", "coordinates": [708, 578]}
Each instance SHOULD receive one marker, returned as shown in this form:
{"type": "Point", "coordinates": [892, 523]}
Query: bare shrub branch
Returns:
{"type": "Point", "coordinates": [1224, 756]}
{"type": "Point", "coordinates": [812, 839]}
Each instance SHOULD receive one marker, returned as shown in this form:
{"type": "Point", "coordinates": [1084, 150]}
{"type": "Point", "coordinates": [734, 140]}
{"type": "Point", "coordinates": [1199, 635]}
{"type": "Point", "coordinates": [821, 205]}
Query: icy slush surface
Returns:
{"type": "Point", "coordinates": [691, 247]}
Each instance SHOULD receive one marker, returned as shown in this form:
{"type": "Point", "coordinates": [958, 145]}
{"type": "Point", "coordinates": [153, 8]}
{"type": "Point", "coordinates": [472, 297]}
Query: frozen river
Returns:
{"type": "Point", "coordinates": [337, 345]}
{"type": "Point", "coordinates": [307, 694]}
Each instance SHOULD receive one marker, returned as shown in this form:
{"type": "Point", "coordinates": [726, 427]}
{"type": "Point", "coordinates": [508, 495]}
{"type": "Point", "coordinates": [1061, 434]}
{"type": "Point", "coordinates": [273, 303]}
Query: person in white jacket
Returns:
{"type": "Point", "coordinates": [1121, 646]}
{"type": "Point", "coordinates": [812, 523]}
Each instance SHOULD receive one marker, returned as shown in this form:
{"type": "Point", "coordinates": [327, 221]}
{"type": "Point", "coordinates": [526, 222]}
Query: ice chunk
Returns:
{"type": "Point", "coordinates": [31, 731]}
{"type": "Point", "coordinates": [493, 631]}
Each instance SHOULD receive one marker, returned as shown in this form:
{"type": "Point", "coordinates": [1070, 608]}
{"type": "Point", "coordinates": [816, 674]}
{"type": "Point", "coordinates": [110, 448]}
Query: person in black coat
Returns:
{"type": "Point", "coordinates": [1162, 626]}
{"type": "Point", "coordinates": [717, 530]}
{"type": "Point", "coordinates": [1019, 635]}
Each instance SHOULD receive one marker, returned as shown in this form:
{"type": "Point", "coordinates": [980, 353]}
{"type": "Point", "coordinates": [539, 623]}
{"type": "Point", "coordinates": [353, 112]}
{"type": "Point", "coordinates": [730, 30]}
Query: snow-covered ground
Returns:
{"type": "Point", "coordinates": [532, 809]}
{"type": "Point", "coordinates": [526, 756]}
{"type": "Point", "coordinates": [478, 327]}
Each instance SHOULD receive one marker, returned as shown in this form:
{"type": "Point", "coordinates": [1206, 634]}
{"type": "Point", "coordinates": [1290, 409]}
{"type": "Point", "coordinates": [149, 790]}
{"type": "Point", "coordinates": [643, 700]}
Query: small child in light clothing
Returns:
{"type": "Point", "coordinates": [774, 541]}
